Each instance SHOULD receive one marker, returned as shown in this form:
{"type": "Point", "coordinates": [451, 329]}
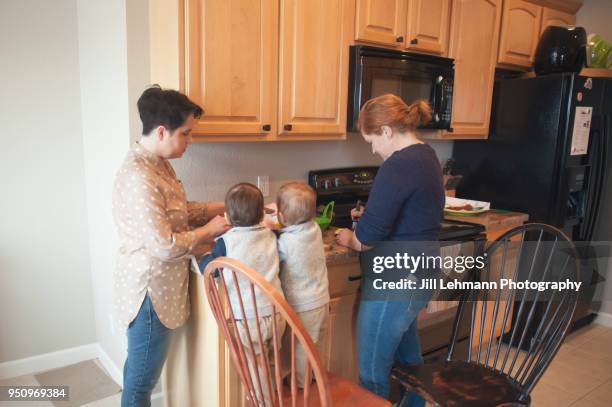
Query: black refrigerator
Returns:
{"type": "Point", "coordinates": [547, 155]}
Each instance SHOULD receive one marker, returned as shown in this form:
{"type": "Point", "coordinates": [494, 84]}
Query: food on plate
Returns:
{"type": "Point", "coordinates": [466, 207]}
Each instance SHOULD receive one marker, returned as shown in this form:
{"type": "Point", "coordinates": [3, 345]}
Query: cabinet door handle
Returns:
{"type": "Point", "coordinates": [288, 127]}
{"type": "Point", "coordinates": [399, 39]}
{"type": "Point", "coordinates": [354, 278]}
{"type": "Point", "coordinates": [266, 127]}
{"type": "Point", "coordinates": [414, 41]}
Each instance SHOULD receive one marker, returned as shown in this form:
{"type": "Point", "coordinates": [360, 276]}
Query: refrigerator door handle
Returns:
{"type": "Point", "coordinates": [596, 184]}
{"type": "Point", "coordinates": [602, 173]}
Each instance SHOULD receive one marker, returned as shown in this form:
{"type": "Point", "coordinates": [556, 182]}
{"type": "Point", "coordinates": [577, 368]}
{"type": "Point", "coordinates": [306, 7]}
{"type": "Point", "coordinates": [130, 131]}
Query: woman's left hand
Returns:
{"type": "Point", "coordinates": [345, 238]}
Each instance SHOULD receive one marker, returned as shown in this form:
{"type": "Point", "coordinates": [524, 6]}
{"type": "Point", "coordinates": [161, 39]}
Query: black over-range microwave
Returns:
{"type": "Point", "coordinates": [378, 71]}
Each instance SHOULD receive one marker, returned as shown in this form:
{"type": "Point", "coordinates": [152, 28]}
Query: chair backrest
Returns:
{"type": "Point", "coordinates": [517, 332]}
{"type": "Point", "coordinates": [251, 351]}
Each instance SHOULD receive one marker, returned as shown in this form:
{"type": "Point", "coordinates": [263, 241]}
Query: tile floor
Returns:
{"type": "Point", "coordinates": [579, 376]}
{"type": "Point", "coordinates": [581, 373]}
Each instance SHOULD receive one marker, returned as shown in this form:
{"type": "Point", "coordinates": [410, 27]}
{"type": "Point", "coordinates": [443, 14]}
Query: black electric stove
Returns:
{"type": "Point", "coordinates": [346, 186]}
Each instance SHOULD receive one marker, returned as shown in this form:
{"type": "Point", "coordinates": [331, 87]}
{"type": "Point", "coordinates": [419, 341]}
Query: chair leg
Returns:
{"type": "Point", "coordinates": [410, 399]}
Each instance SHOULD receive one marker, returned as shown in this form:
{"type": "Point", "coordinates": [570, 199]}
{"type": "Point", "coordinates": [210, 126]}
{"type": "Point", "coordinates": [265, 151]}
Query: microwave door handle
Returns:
{"type": "Point", "coordinates": [438, 94]}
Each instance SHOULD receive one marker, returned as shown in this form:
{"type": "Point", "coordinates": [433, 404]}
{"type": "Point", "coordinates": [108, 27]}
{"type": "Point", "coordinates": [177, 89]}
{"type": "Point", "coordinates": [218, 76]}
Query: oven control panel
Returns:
{"type": "Point", "coordinates": [342, 178]}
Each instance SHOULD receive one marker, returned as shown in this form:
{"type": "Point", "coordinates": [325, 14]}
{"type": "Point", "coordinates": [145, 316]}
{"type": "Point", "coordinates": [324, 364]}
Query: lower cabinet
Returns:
{"type": "Point", "coordinates": [341, 348]}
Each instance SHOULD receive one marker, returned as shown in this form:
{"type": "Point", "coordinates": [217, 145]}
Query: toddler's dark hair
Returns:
{"type": "Point", "coordinates": [244, 205]}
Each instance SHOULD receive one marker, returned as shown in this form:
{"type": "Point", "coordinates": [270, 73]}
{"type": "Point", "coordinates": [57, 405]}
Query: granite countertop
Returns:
{"type": "Point", "coordinates": [335, 253]}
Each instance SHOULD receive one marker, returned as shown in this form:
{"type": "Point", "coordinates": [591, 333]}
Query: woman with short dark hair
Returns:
{"type": "Point", "coordinates": [159, 230]}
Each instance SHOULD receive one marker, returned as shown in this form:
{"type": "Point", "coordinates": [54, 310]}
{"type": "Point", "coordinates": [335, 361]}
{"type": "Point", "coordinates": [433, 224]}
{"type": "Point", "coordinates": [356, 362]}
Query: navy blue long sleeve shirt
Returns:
{"type": "Point", "coordinates": [218, 250]}
{"type": "Point", "coordinates": [406, 202]}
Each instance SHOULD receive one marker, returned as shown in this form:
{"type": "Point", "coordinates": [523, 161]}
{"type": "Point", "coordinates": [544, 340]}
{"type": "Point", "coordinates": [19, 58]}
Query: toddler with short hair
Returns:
{"type": "Point", "coordinates": [255, 245]}
{"type": "Point", "coordinates": [303, 271]}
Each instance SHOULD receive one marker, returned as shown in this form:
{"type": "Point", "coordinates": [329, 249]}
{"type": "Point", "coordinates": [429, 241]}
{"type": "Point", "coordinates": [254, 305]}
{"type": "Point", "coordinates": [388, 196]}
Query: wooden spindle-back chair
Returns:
{"type": "Point", "coordinates": [266, 387]}
{"type": "Point", "coordinates": [514, 334]}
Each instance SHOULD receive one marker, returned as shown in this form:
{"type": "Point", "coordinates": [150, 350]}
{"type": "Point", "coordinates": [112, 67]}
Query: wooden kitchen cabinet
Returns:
{"type": "Point", "coordinates": [340, 356]}
{"type": "Point", "coordinates": [473, 45]}
{"type": "Point", "coordinates": [230, 65]}
{"type": "Point", "coordinates": [262, 70]}
{"type": "Point", "coordinates": [520, 32]}
{"type": "Point", "coordinates": [381, 22]}
{"type": "Point", "coordinates": [313, 68]}
{"type": "Point", "coordinates": [428, 25]}
{"type": "Point", "coordinates": [559, 18]}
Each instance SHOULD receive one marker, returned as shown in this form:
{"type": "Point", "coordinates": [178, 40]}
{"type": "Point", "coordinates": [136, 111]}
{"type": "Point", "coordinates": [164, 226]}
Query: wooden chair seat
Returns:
{"type": "Point", "coordinates": [459, 383]}
{"type": "Point", "coordinates": [343, 392]}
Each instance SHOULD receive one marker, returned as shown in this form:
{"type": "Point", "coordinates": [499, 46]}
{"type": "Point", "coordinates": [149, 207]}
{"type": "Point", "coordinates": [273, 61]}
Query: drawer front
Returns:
{"type": "Point", "coordinates": [344, 278]}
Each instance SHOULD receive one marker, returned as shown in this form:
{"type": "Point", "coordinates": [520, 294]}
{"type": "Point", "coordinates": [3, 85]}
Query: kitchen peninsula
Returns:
{"type": "Point", "coordinates": [199, 369]}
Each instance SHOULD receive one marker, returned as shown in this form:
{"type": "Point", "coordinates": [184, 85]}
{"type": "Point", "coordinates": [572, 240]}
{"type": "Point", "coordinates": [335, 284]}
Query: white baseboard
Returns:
{"type": "Point", "coordinates": [48, 361]}
{"type": "Point", "coordinates": [157, 400]}
{"type": "Point", "coordinates": [604, 319]}
{"type": "Point", "coordinates": [112, 369]}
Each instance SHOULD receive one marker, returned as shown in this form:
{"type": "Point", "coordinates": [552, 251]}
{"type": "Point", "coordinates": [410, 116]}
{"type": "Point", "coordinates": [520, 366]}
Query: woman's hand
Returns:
{"type": "Point", "coordinates": [357, 213]}
{"type": "Point", "coordinates": [215, 227]}
{"type": "Point", "coordinates": [345, 237]}
{"type": "Point", "coordinates": [218, 225]}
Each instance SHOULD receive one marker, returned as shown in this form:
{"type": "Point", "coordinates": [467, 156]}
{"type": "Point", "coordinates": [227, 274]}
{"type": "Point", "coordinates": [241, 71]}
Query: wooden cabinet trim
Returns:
{"type": "Point", "coordinates": [567, 6]}
{"type": "Point", "coordinates": [556, 17]}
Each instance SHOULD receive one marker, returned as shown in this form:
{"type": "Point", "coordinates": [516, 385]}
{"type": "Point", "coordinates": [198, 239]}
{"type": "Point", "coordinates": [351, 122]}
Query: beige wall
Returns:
{"type": "Point", "coordinates": [596, 17]}
{"type": "Point", "coordinates": [208, 169]}
{"type": "Point", "coordinates": [45, 282]}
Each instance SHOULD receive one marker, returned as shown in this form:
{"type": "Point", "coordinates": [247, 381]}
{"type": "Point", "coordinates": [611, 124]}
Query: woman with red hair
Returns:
{"type": "Point", "coordinates": [405, 206]}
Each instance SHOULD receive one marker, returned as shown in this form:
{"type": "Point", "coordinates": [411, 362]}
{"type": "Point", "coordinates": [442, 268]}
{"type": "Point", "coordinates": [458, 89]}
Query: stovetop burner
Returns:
{"type": "Point", "coordinates": [346, 186]}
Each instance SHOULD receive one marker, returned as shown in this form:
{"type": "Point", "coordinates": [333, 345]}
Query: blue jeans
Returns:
{"type": "Point", "coordinates": [148, 342]}
{"type": "Point", "coordinates": [386, 334]}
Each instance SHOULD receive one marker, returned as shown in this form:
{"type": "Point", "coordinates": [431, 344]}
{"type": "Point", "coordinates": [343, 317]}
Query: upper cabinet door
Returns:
{"type": "Point", "coordinates": [473, 44]}
{"type": "Point", "coordinates": [381, 21]}
{"type": "Point", "coordinates": [230, 65]}
{"type": "Point", "coordinates": [428, 22]}
{"type": "Point", "coordinates": [520, 33]}
{"type": "Point", "coordinates": [555, 17]}
{"type": "Point", "coordinates": [313, 66]}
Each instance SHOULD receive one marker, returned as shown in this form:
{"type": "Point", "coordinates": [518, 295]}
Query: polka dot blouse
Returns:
{"type": "Point", "coordinates": [154, 222]}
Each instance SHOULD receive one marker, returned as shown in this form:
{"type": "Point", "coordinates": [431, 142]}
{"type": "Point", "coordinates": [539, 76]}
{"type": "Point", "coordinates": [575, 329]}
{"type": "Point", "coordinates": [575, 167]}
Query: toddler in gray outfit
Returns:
{"type": "Point", "coordinates": [303, 272]}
